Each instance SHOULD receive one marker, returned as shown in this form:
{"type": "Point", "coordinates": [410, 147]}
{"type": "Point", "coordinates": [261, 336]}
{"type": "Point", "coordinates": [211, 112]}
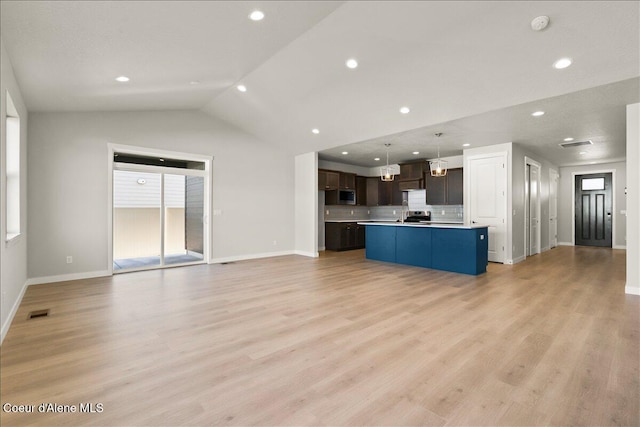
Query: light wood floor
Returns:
{"type": "Point", "coordinates": [334, 341]}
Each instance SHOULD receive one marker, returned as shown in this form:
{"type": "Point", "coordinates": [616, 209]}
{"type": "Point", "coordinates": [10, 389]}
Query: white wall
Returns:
{"type": "Point", "coordinates": [306, 204]}
{"type": "Point", "coordinates": [633, 199]}
{"type": "Point", "coordinates": [13, 255]}
{"type": "Point", "coordinates": [252, 185]}
{"type": "Point", "coordinates": [565, 201]}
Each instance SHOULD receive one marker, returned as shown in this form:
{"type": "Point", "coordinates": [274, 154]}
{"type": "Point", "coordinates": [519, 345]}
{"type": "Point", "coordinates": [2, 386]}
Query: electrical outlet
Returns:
{"type": "Point", "coordinates": [394, 212]}
{"type": "Point", "coordinates": [351, 212]}
{"type": "Point", "coordinates": [327, 212]}
{"type": "Point", "coordinates": [69, 259]}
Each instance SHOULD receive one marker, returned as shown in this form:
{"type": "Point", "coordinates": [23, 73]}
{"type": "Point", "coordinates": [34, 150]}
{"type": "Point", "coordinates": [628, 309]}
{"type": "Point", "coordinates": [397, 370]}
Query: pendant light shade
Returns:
{"type": "Point", "coordinates": [438, 167]}
{"type": "Point", "coordinates": [386, 173]}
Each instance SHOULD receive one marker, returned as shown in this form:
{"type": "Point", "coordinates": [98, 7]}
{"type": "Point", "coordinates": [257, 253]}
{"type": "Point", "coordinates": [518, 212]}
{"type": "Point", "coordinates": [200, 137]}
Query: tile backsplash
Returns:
{"type": "Point", "coordinates": [453, 213]}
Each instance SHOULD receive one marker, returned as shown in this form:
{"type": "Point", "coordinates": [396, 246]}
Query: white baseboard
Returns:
{"type": "Point", "coordinates": [620, 247]}
{"type": "Point", "coordinates": [67, 277]}
{"type": "Point", "coordinates": [565, 244]}
{"type": "Point", "coordinates": [12, 313]}
{"type": "Point", "coordinates": [309, 254]}
{"type": "Point", "coordinates": [632, 290]}
{"type": "Point", "coordinates": [515, 260]}
{"type": "Point", "coordinates": [250, 256]}
{"type": "Point", "coordinates": [545, 249]}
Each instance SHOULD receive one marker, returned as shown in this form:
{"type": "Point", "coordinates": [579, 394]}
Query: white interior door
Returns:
{"type": "Point", "coordinates": [534, 210]}
{"type": "Point", "coordinates": [553, 208]}
{"type": "Point", "coordinates": [488, 201]}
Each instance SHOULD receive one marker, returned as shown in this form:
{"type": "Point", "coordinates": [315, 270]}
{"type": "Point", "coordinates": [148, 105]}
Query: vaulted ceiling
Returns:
{"type": "Point", "coordinates": [473, 70]}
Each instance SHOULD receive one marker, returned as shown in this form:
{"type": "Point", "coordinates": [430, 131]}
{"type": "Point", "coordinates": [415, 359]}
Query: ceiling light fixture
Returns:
{"type": "Point", "coordinates": [416, 152]}
{"type": "Point", "coordinates": [405, 110]}
{"type": "Point", "coordinates": [385, 171]}
{"type": "Point", "coordinates": [351, 63]}
{"type": "Point", "coordinates": [438, 167]}
{"type": "Point", "coordinates": [122, 79]}
{"type": "Point", "coordinates": [241, 88]}
{"type": "Point", "coordinates": [194, 82]}
{"type": "Point", "coordinates": [344, 153]}
{"type": "Point", "coordinates": [537, 113]}
{"type": "Point", "coordinates": [562, 63]}
{"type": "Point", "coordinates": [466, 145]}
{"type": "Point", "coordinates": [582, 152]}
{"type": "Point", "coordinates": [377, 159]}
{"type": "Point", "coordinates": [315, 131]}
{"type": "Point", "coordinates": [256, 15]}
{"type": "Point", "coordinates": [568, 139]}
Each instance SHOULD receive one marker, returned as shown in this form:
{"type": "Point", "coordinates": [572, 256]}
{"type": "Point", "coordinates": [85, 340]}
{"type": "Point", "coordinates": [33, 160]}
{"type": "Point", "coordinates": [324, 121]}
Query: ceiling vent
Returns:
{"type": "Point", "coordinates": [575, 144]}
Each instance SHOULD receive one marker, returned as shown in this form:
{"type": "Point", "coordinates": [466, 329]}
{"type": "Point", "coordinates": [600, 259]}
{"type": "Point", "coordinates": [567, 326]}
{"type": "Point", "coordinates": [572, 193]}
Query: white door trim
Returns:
{"type": "Point", "coordinates": [554, 176]}
{"type": "Point", "coordinates": [532, 163]}
{"type": "Point", "coordinates": [152, 152]}
{"type": "Point", "coordinates": [613, 202]}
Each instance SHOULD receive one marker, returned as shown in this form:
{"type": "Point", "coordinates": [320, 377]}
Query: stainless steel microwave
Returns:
{"type": "Point", "coordinates": [346, 197]}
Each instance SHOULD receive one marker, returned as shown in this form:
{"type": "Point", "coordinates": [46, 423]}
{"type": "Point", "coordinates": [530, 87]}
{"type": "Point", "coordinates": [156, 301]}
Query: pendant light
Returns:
{"type": "Point", "coordinates": [438, 167]}
{"type": "Point", "coordinates": [385, 171]}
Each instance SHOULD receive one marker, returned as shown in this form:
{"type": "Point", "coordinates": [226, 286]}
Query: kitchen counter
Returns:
{"type": "Point", "coordinates": [461, 248]}
{"type": "Point", "coordinates": [433, 224]}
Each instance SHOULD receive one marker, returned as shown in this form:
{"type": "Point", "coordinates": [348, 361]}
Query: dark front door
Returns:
{"type": "Point", "coordinates": [593, 209]}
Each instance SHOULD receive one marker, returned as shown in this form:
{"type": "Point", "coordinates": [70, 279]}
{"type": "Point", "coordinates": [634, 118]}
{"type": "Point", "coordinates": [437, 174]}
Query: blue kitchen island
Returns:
{"type": "Point", "coordinates": [451, 247]}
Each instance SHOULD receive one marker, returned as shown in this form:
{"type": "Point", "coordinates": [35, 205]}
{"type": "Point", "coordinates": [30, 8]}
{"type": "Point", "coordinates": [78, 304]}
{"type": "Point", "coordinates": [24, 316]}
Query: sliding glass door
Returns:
{"type": "Point", "coordinates": [158, 217]}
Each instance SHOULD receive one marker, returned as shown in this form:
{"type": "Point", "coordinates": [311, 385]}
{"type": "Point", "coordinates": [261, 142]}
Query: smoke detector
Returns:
{"type": "Point", "coordinates": [540, 23]}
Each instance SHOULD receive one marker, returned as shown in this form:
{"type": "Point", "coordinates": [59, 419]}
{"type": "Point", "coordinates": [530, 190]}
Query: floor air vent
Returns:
{"type": "Point", "coordinates": [575, 144]}
{"type": "Point", "coordinates": [38, 313]}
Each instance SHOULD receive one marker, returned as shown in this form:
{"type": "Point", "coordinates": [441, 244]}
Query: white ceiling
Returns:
{"type": "Point", "coordinates": [472, 70]}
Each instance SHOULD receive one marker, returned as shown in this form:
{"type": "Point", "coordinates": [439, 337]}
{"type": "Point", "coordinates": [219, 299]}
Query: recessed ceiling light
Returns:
{"type": "Point", "coordinates": [345, 153]}
{"type": "Point", "coordinates": [562, 63]}
{"type": "Point", "coordinates": [466, 145]}
{"type": "Point", "coordinates": [537, 113]}
{"type": "Point", "coordinates": [241, 88]}
{"type": "Point", "coordinates": [122, 79]}
{"type": "Point", "coordinates": [582, 152]}
{"type": "Point", "coordinates": [315, 131]}
{"type": "Point", "coordinates": [352, 63]}
{"type": "Point", "coordinates": [593, 163]}
{"type": "Point", "coordinates": [377, 159]}
{"type": "Point", "coordinates": [416, 152]}
{"type": "Point", "coordinates": [405, 110]}
{"type": "Point", "coordinates": [256, 15]}
{"type": "Point", "coordinates": [568, 139]}
{"type": "Point", "coordinates": [162, 160]}
{"type": "Point", "coordinates": [194, 82]}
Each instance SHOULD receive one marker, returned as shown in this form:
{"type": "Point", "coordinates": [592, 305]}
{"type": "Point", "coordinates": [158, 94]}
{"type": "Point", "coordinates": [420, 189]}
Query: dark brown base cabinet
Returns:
{"type": "Point", "coordinates": [343, 236]}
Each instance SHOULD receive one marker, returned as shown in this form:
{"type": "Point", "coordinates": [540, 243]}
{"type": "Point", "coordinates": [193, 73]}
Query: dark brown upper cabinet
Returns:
{"type": "Point", "coordinates": [445, 190]}
{"type": "Point", "coordinates": [347, 181]}
{"type": "Point", "coordinates": [328, 180]}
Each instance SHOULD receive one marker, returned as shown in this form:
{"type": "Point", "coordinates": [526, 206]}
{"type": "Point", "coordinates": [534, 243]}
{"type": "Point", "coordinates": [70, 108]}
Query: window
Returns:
{"type": "Point", "coordinates": [593, 184]}
{"type": "Point", "coordinates": [12, 157]}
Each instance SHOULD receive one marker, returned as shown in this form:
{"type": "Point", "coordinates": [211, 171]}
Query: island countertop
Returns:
{"type": "Point", "coordinates": [430, 224]}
